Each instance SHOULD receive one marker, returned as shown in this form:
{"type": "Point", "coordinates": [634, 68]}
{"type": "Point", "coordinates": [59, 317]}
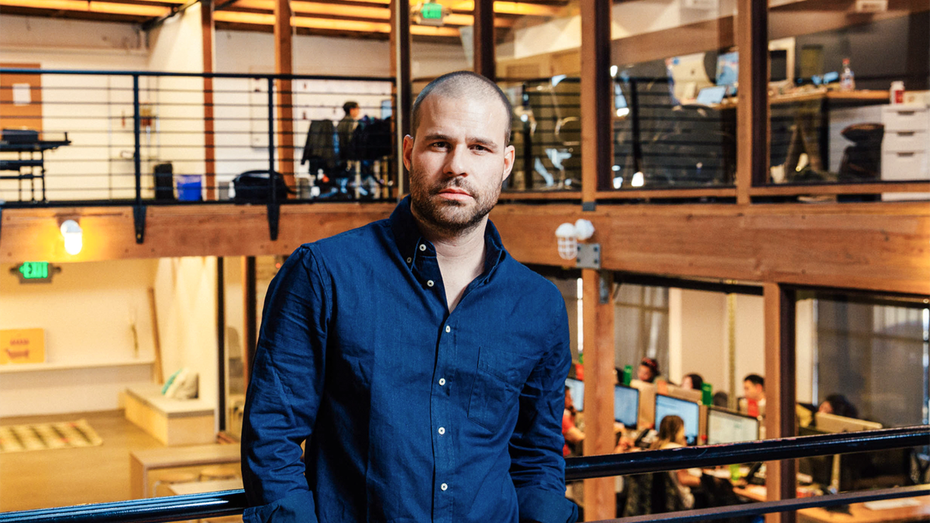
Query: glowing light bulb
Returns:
{"type": "Point", "coordinates": [73, 235]}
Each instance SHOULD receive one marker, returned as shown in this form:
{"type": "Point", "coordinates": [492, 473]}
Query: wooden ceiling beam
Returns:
{"type": "Point", "coordinates": [91, 6]}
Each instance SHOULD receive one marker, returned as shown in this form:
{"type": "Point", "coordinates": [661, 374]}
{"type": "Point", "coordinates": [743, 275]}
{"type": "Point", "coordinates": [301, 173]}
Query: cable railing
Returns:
{"type": "Point", "coordinates": [233, 502]}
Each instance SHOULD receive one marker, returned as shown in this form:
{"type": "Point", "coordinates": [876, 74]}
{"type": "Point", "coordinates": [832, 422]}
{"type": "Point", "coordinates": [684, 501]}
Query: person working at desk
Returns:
{"type": "Point", "coordinates": [753, 402]}
{"type": "Point", "coordinates": [692, 381]}
{"type": "Point", "coordinates": [648, 370]}
{"type": "Point", "coordinates": [570, 431]}
{"type": "Point", "coordinates": [422, 366]}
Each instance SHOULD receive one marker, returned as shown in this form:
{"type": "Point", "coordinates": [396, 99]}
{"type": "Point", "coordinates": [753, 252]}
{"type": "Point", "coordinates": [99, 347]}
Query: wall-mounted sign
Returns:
{"type": "Point", "coordinates": [35, 272]}
{"type": "Point", "coordinates": [22, 346]}
{"type": "Point", "coordinates": [429, 13]}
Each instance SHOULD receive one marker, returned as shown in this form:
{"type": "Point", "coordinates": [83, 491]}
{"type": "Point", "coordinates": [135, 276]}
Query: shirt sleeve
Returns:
{"type": "Point", "coordinates": [283, 397]}
{"type": "Point", "coordinates": [537, 466]}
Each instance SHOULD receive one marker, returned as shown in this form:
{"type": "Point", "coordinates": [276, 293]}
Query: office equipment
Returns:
{"type": "Point", "coordinates": [728, 71]}
{"type": "Point", "coordinates": [576, 389]}
{"type": "Point", "coordinates": [711, 95]}
{"type": "Point", "coordinates": [626, 406]}
{"type": "Point", "coordinates": [778, 65]}
{"type": "Point", "coordinates": [724, 426]}
{"type": "Point", "coordinates": [26, 144]}
{"type": "Point", "coordinates": [688, 411]}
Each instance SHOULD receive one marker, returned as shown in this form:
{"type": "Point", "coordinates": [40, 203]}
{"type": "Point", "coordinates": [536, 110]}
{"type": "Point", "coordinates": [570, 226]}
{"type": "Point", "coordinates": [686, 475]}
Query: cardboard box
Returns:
{"type": "Point", "coordinates": [22, 346]}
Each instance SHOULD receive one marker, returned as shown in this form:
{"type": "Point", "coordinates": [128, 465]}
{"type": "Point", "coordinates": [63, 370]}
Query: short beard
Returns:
{"type": "Point", "coordinates": [449, 218]}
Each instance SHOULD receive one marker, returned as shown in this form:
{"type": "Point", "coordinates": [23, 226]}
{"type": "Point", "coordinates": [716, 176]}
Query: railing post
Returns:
{"type": "Point", "coordinates": [138, 210]}
{"type": "Point", "coordinates": [273, 209]}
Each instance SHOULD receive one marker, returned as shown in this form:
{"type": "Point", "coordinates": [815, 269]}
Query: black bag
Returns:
{"type": "Point", "coordinates": [252, 187]}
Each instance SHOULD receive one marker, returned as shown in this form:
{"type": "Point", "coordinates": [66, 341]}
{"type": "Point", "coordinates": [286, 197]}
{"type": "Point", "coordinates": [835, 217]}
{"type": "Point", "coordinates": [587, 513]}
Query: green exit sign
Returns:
{"type": "Point", "coordinates": [35, 272]}
{"type": "Point", "coordinates": [431, 11]}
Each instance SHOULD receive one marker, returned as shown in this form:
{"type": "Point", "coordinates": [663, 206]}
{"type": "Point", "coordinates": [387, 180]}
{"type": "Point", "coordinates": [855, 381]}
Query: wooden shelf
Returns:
{"type": "Point", "coordinates": [837, 188]}
{"type": "Point", "coordinates": [42, 367]}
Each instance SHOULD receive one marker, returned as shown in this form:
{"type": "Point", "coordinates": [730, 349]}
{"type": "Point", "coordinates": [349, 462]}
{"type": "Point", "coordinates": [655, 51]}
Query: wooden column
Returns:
{"type": "Point", "coordinates": [596, 107]}
{"type": "Point", "coordinates": [283, 64]}
{"type": "Point", "coordinates": [400, 66]}
{"type": "Point", "coordinates": [250, 315]}
{"type": "Point", "coordinates": [752, 110]}
{"type": "Point", "coordinates": [209, 142]}
{"type": "Point", "coordinates": [780, 391]}
{"type": "Point", "coordinates": [483, 42]}
{"type": "Point", "coordinates": [598, 328]}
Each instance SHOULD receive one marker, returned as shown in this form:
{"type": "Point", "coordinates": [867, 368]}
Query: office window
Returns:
{"type": "Point", "coordinates": [641, 325]}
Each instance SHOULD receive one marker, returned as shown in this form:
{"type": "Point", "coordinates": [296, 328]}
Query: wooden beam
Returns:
{"type": "Point", "coordinates": [596, 102]}
{"type": "Point", "coordinates": [400, 90]}
{"type": "Point", "coordinates": [780, 392]}
{"type": "Point", "coordinates": [483, 40]}
{"type": "Point", "coordinates": [284, 64]}
{"type": "Point", "coordinates": [600, 500]}
{"type": "Point", "coordinates": [752, 134]}
{"type": "Point", "coordinates": [209, 142]}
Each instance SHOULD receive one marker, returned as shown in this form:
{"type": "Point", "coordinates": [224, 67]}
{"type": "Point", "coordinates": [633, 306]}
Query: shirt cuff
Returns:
{"type": "Point", "coordinates": [545, 506]}
{"type": "Point", "coordinates": [295, 508]}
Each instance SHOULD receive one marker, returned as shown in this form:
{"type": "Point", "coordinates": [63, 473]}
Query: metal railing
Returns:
{"type": "Point", "coordinates": [233, 502]}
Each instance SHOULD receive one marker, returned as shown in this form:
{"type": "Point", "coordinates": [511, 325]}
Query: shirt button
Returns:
{"type": "Point", "coordinates": [422, 247]}
{"type": "Point", "coordinates": [442, 430]}
{"type": "Point", "coordinates": [429, 283]}
{"type": "Point", "coordinates": [443, 487]}
{"type": "Point", "coordinates": [409, 260]}
{"type": "Point", "coordinates": [448, 329]}
{"type": "Point", "coordinates": [442, 382]}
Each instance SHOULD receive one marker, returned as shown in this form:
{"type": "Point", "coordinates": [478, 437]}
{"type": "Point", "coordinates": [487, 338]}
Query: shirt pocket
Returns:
{"type": "Point", "coordinates": [499, 378]}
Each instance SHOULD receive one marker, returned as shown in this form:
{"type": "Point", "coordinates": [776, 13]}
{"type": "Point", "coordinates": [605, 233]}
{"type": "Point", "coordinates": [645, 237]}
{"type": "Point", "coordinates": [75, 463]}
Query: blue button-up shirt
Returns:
{"type": "Point", "coordinates": [410, 413]}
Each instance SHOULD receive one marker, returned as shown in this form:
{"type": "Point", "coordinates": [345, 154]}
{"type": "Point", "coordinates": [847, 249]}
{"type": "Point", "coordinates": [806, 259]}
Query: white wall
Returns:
{"type": "Point", "coordinates": [86, 312]}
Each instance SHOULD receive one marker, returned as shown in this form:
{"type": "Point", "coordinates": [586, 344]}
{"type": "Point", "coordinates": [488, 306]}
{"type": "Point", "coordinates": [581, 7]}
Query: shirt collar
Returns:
{"type": "Point", "coordinates": [408, 237]}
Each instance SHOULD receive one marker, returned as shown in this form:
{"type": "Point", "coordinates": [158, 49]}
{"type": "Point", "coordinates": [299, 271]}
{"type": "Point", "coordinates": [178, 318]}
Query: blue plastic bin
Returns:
{"type": "Point", "coordinates": [189, 186]}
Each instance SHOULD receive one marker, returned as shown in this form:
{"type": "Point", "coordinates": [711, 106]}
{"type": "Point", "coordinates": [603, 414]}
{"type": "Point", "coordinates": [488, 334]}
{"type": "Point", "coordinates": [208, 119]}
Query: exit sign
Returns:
{"type": "Point", "coordinates": [431, 11]}
{"type": "Point", "coordinates": [35, 272]}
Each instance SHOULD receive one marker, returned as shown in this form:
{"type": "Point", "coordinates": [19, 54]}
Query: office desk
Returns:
{"type": "Point", "coordinates": [858, 512]}
{"type": "Point", "coordinates": [26, 159]}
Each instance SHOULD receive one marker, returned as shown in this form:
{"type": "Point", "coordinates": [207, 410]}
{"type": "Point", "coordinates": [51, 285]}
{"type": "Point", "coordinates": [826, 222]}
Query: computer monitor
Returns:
{"type": "Point", "coordinates": [831, 423]}
{"type": "Point", "coordinates": [576, 389]}
{"type": "Point", "coordinates": [728, 71]}
{"type": "Point", "coordinates": [778, 65]}
{"type": "Point", "coordinates": [688, 411]}
{"type": "Point", "coordinates": [711, 95]}
{"type": "Point", "coordinates": [724, 426]}
{"type": "Point", "coordinates": [626, 406]}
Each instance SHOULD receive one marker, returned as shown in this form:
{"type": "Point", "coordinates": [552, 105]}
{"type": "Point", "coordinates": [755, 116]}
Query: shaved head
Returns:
{"type": "Point", "coordinates": [463, 84]}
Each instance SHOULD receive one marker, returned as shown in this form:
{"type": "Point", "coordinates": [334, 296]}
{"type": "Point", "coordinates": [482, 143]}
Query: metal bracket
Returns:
{"type": "Point", "coordinates": [138, 219]}
{"type": "Point", "coordinates": [589, 256]}
{"type": "Point", "coordinates": [588, 206]}
{"type": "Point", "coordinates": [604, 287]}
{"type": "Point", "coordinates": [274, 215]}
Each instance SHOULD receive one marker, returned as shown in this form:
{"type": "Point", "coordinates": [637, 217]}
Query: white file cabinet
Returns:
{"type": "Point", "coordinates": [905, 147]}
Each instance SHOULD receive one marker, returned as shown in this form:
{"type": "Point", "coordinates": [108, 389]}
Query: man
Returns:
{"type": "Point", "coordinates": [424, 367]}
{"type": "Point", "coordinates": [754, 395]}
{"type": "Point", "coordinates": [346, 128]}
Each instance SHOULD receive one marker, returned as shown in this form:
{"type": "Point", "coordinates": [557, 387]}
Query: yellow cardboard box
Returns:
{"type": "Point", "coordinates": [22, 346]}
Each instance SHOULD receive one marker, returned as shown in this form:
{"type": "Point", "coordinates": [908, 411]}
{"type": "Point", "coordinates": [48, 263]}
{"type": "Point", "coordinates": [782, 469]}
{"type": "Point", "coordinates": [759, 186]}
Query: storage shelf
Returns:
{"type": "Point", "coordinates": [41, 367]}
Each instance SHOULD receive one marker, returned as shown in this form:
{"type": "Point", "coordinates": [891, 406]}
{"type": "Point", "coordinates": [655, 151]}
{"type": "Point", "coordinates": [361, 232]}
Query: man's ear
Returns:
{"type": "Point", "coordinates": [509, 154]}
{"type": "Point", "coordinates": [408, 151]}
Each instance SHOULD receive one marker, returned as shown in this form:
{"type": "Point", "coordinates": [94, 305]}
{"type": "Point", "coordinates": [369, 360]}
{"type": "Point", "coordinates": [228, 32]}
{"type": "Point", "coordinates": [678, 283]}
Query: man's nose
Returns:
{"type": "Point", "coordinates": [456, 161]}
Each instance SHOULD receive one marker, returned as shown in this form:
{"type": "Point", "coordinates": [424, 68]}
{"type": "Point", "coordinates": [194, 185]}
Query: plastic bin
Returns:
{"type": "Point", "coordinates": [189, 186]}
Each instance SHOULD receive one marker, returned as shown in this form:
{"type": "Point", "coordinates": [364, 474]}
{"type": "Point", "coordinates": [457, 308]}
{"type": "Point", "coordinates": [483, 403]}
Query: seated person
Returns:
{"type": "Point", "coordinates": [838, 404]}
{"type": "Point", "coordinates": [692, 381]}
{"type": "Point", "coordinates": [648, 370]}
{"type": "Point", "coordinates": [572, 434]}
{"type": "Point", "coordinates": [753, 402]}
{"type": "Point", "coordinates": [672, 435]}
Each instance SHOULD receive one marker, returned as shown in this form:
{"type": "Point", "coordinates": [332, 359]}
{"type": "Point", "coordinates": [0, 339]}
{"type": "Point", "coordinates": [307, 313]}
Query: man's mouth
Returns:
{"type": "Point", "coordinates": [454, 193]}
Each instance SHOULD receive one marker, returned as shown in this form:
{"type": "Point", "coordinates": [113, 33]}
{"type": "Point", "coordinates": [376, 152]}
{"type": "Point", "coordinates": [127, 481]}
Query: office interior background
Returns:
{"type": "Point", "coordinates": [756, 175]}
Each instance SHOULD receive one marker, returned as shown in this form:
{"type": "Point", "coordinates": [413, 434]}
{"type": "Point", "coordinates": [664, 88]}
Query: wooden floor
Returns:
{"type": "Point", "coordinates": [63, 477]}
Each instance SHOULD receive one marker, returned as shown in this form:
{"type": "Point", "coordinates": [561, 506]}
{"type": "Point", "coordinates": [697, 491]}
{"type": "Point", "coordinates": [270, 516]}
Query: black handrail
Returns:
{"type": "Point", "coordinates": [233, 502]}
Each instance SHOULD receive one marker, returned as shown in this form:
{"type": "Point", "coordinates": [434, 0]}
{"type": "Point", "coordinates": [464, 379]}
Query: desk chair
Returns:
{"type": "Point", "coordinates": [27, 166]}
{"type": "Point", "coordinates": [652, 493]}
{"type": "Point", "coordinates": [669, 143]}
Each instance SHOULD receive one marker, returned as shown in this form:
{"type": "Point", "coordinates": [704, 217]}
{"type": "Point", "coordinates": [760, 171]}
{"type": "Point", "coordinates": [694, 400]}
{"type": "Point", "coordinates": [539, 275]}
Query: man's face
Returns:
{"type": "Point", "coordinates": [457, 161]}
{"type": "Point", "coordinates": [752, 391]}
{"type": "Point", "coordinates": [354, 112]}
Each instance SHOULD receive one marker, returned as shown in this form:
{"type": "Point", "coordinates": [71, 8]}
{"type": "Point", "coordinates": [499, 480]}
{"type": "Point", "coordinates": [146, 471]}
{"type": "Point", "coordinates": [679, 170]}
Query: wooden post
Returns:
{"type": "Point", "coordinates": [209, 142]}
{"type": "Point", "coordinates": [283, 54]}
{"type": "Point", "coordinates": [483, 41]}
{"type": "Point", "coordinates": [752, 110]}
{"type": "Point", "coordinates": [780, 392]}
{"type": "Point", "coordinates": [400, 65]}
{"type": "Point", "coordinates": [598, 328]}
{"type": "Point", "coordinates": [250, 315]}
{"type": "Point", "coordinates": [596, 109]}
